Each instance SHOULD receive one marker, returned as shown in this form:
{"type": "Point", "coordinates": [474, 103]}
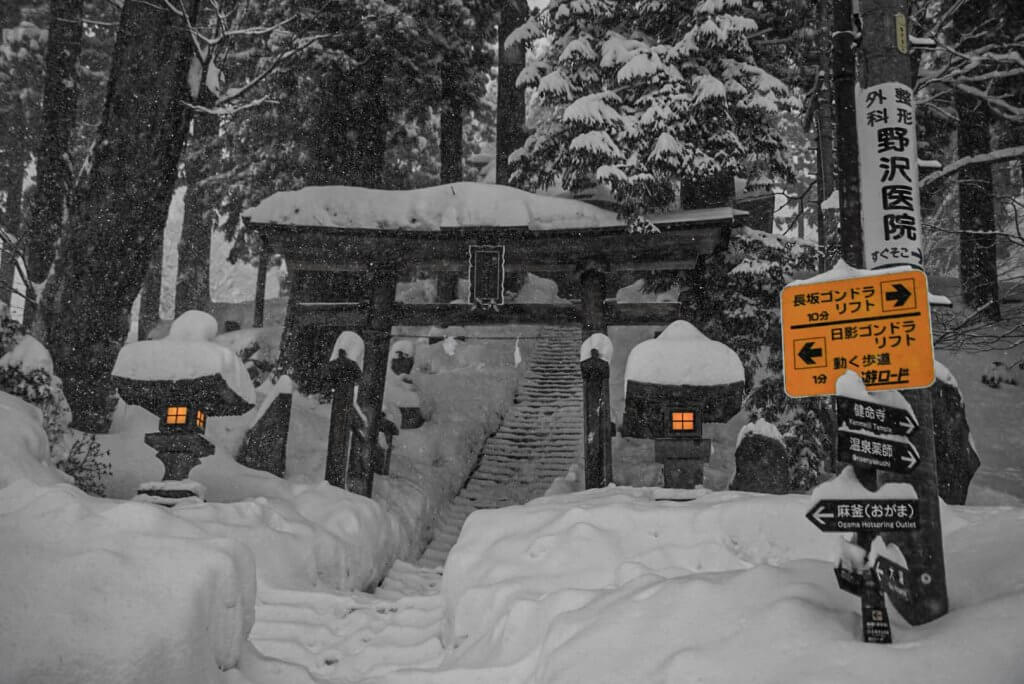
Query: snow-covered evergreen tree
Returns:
{"type": "Point", "coordinates": [641, 95]}
{"type": "Point", "coordinates": [734, 298]}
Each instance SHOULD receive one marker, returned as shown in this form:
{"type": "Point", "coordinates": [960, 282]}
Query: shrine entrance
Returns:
{"type": "Point", "coordinates": [350, 250]}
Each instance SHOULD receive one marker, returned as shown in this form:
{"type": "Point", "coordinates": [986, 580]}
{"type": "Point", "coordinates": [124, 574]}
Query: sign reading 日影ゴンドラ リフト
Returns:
{"type": "Point", "coordinates": [878, 326]}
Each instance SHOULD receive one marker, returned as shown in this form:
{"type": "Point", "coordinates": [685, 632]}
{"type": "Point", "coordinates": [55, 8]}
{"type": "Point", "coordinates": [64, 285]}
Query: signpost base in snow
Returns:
{"type": "Point", "coordinates": [874, 617]}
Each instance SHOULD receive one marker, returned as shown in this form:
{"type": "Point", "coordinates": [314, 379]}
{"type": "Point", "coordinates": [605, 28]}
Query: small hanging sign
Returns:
{"type": "Point", "coordinates": [487, 275]}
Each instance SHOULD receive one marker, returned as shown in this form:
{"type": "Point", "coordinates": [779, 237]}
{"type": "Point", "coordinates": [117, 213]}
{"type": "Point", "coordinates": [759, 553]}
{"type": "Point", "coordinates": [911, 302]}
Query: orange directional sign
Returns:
{"type": "Point", "coordinates": [878, 326]}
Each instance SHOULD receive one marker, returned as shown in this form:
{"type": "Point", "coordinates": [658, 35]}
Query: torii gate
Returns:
{"type": "Point", "coordinates": [348, 248]}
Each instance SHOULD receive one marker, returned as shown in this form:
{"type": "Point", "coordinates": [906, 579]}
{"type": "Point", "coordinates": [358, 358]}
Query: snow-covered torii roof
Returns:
{"type": "Point", "coordinates": [454, 205]}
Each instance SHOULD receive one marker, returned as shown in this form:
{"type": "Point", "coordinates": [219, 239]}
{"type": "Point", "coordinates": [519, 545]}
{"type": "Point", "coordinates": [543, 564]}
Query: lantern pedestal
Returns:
{"type": "Point", "coordinates": [179, 452]}
{"type": "Point", "coordinates": [682, 461]}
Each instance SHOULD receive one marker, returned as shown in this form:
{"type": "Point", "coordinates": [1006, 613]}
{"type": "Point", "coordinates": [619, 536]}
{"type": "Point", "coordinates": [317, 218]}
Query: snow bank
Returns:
{"type": "Point", "coordinates": [608, 537]}
{"type": "Point", "coordinates": [95, 591]}
{"type": "Point", "coordinates": [611, 586]}
{"type": "Point", "coordinates": [309, 536]}
{"type": "Point", "coordinates": [682, 355]}
{"type": "Point", "coordinates": [24, 448]}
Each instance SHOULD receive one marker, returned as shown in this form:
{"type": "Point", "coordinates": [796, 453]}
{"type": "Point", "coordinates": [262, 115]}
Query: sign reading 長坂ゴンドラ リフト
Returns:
{"type": "Point", "coordinates": [890, 198]}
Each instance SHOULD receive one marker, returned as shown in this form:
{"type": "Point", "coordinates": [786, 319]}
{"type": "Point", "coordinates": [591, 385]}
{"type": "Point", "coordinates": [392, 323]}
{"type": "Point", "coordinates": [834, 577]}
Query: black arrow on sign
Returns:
{"type": "Point", "coordinates": [808, 353]}
{"type": "Point", "coordinates": [899, 456]}
{"type": "Point", "coordinates": [898, 294]}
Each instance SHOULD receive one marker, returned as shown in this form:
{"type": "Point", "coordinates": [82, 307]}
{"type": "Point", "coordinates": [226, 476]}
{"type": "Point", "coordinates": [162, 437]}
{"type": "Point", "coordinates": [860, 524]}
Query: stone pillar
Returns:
{"type": "Point", "coordinates": [597, 432]}
{"type": "Point", "coordinates": [682, 461]}
{"type": "Point", "coordinates": [344, 469]}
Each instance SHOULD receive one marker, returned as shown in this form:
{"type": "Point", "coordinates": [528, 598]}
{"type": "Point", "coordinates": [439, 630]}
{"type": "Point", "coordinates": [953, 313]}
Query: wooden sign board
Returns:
{"type": "Point", "coordinates": [878, 326]}
{"type": "Point", "coordinates": [487, 275]}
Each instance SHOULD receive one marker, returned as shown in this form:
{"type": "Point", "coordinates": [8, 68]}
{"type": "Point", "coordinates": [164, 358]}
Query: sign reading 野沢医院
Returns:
{"type": "Point", "coordinates": [890, 198]}
{"type": "Point", "coordinates": [878, 326]}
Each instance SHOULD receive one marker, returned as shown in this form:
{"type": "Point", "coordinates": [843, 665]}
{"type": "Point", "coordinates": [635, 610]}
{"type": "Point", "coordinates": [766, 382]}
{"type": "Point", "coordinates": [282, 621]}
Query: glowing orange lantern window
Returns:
{"type": "Point", "coordinates": [682, 421]}
{"type": "Point", "coordinates": [177, 415]}
{"type": "Point", "coordinates": [200, 420]}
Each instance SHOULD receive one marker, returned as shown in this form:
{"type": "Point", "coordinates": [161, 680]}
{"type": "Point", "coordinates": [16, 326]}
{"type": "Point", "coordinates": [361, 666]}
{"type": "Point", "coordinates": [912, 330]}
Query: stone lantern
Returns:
{"type": "Point", "coordinates": [184, 380]}
{"type": "Point", "coordinates": [675, 384]}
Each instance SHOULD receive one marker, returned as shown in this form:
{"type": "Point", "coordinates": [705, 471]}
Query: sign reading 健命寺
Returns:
{"type": "Point", "coordinates": [878, 326]}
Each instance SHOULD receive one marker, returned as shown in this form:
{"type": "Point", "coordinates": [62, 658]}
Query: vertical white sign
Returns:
{"type": "Point", "coordinates": [889, 192]}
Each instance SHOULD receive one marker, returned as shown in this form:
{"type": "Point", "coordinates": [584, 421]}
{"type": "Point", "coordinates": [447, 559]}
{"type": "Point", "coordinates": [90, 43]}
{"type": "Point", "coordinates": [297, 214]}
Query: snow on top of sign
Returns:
{"type": "Point", "coordinates": [599, 342]}
{"type": "Point", "coordinates": [944, 375]}
{"type": "Point", "coordinates": [428, 209]}
{"type": "Point", "coordinates": [851, 555]}
{"type": "Point", "coordinates": [682, 355]}
{"type": "Point", "coordinates": [879, 549]}
{"type": "Point", "coordinates": [759, 427]}
{"type": "Point", "coordinates": [846, 486]}
{"type": "Point", "coordinates": [353, 346]}
{"type": "Point", "coordinates": [850, 385]}
{"type": "Point", "coordinates": [187, 352]}
{"type": "Point", "coordinates": [843, 271]}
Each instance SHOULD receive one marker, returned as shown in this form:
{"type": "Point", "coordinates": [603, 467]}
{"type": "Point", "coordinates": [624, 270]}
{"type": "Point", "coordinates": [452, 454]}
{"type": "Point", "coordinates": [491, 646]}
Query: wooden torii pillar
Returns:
{"type": "Point", "coordinates": [597, 441]}
{"type": "Point", "coordinates": [377, 338]}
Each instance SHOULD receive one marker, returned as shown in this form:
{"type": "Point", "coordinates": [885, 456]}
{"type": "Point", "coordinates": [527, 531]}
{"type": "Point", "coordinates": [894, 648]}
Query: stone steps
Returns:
{"type": "Point", "coordinates": [539, 440]}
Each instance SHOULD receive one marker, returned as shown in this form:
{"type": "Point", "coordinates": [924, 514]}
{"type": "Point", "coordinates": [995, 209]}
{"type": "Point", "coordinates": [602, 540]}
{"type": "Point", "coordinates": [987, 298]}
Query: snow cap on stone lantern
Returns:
{"type": "Point", "coordinates": [678, 381]}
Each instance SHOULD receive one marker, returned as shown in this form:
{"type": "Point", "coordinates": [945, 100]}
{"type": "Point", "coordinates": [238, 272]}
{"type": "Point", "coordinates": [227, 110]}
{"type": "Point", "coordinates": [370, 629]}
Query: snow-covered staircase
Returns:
{"type": "Point", "coordinates": [540, 438]}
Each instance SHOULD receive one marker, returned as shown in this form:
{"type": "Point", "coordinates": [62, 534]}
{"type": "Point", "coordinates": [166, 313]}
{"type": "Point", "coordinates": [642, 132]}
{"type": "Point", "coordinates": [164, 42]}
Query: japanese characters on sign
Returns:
{"type": "Point", "coordinates": [878, 326]}
{"type": "Point", "coordinates": [890, 198]}
{"type": "Point", "coordinates": [487, 275]}
{"type": "Point", "coordinates": [877, 418]}
{"type": "Point", "coordinates": [861, 449]}
{"type": "Point", "coordinates": [869, 515]}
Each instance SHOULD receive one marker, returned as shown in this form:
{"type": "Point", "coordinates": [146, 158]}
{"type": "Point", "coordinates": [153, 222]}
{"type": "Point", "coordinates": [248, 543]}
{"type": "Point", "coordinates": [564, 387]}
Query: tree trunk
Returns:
{"type": "Point", "coordinates": [192, 289]}
{"type": "Point", "coordinates": [350, 138]}
{"type": "Point", "coordinates": [13, 178]}
{"type": "Point", "coordinates": [149, 305]}
{"type": "Point", "coordinates": [119, 208]}
{"type": "Point", "coordinates": [824, 120]}
{"type": "Point", "coordinates": [451, 143]}
{"type": "Point", "coordinates": [511, 100]}
{"type": "Point", "coordinates": [978, 276]}
{"type": "Point", "coordinates": [53, 158]}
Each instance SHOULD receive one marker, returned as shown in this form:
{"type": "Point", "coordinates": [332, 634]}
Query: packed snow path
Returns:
{"type": "Point", "coordinates": [540, 438]}
{"type": "Point", "coordinates": [352, 637]}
